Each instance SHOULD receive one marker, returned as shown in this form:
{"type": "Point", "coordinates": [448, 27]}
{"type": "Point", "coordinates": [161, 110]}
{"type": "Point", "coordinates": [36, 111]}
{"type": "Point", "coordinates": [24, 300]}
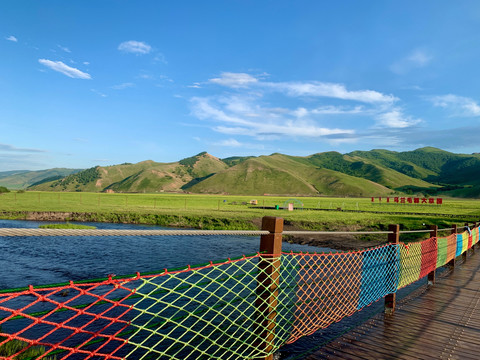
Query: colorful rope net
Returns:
{"type": "Point", "coordinates": [243, 308]}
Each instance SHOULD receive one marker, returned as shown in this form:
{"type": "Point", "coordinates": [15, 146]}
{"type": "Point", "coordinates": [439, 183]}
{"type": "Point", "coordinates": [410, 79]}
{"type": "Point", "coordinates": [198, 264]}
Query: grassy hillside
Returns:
{"type": "Point", "coordinates": [456, 173]}
{"type": "Point", "coordinates": [391, 160]}
{"type": "Point", "coordinates": [235, 160]}
{"type": "Point", "coordinates": [4, 174]}
{"type": "Point", "coordinates": [280, 174]}
{"type": "Point", "coordinates": [145, 176]}
{"type": "Point", "coordinates": [362, 168]}
{"type": "Point", "coordinates": [360, 173]}
{"type": "Point", "coordinates": [203, 165]}
{"type": "Point", "coordinates": [253, 177]}
{"type": "Point", "coordinates": [429, 158]}
{"type": "Point", "coordinates": [22, 179]}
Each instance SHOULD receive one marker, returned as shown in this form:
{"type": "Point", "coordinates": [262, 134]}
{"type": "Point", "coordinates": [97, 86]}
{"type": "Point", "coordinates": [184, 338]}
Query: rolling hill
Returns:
{"type": "Point", "coordinates": [359, 173]}
{"type": "Point", "coordinates": [280, 174]}
{"type": "Point", "coordinates": [145, 176]}
{"type": "Point", "coordinates": [22, 179]}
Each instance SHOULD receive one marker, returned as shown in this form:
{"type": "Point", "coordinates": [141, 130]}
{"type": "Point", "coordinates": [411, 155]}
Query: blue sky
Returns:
{"type": "Point", "coordinates": [87, 83]}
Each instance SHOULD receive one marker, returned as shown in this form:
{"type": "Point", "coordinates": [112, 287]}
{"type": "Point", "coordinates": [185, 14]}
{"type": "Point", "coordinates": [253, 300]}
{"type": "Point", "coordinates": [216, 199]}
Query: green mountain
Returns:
{"type": "Point", "coordinates": [359, 173]}
{"type": "Point", "coordinates": [393, 160]}
{"type": "Point", "coordinates": [453, 174]}
{"type": "Point", "coordinates": [21, 179]}
{"type": "Point", "coordinates": [280, 174]}
{"type": "Point", "coordinates": [145, 176]}
{"type": "Point", "coordinates": [363, 168]}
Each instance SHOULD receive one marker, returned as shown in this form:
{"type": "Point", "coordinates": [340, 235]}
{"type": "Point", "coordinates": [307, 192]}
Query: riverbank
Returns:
{"type": "Point", "coordinates": [179, 221]}
{"type": "Point", "coordinates": [338, 242]}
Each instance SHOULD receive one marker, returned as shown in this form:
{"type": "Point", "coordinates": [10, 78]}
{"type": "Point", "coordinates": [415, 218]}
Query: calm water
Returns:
{"type": "Point", "coordinates": [46, 260]}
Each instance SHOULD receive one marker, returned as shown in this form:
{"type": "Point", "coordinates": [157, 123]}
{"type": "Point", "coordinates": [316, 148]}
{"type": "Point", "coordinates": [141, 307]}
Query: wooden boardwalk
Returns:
{"type": "Point", "coordinates": [441, 323]}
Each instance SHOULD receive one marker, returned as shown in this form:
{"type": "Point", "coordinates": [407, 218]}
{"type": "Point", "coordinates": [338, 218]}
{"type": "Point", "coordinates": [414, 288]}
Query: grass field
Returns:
{"type": "Point", "coordinates": [236, 211]}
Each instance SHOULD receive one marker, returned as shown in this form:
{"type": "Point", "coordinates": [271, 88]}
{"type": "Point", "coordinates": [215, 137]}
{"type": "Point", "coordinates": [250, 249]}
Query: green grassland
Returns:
{"type": "Point", "coordinates": [235, 212]}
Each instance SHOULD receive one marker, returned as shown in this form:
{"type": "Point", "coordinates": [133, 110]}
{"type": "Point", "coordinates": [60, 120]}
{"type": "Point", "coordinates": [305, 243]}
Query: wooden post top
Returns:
{"type": "Point", "coordinates": [272, 224]}
{"type": "Point", "coordinates": [395, 237]}
{"type": "Point", "coordinates": [272, 243]}
{"type": "Point", "coordinates": [454, 230]}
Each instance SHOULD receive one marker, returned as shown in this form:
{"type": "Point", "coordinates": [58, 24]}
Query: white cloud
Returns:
{"type": "Point", "coordinates": [271, 124]}
{"type": "Point", "coordinates": [159, 57]}
{"type": "Point", "coordinates": [416, 59]}
{"type": "Point", "coordinates": [419, 58]}
{"type": "Point", "coordinates": [195, 85]}
{"type": "Point", "coordinates": [457, 105]}
{"type": "Point", "coordinates": [302, 89]}
{"type": "Point", "coordinates": [65, 69]}
{"type": "Point", "coordinates": [243, 106]}
{"type": "Point", "coordinates": [204, 110]}
{"type": "Point", "coordinates": [308, 110]}
{"type": "Point", "coordinates": [301, 128]}
{"type": "Point", "coordinates": [98, 93]}
{"type": "Point", "coordinates": [412, 87]}
{"type": "Point", "coordinates": [86, 63]}
{"type": "Point", "coordinates": [135, 47]}
{"type": "Point", "coordinates": [123, 86]}
{"type": "Point", "coordinates": [330, 90]}
{"type": "Point", "coordinates": [11, 148]}
{"type": "Point", "coordinates": [64, 48]}
{"type": "Point", "coordinates": [234, 80]}
{"type": "Point", "coordinates": [237, 144]}
{"type": "Point", "coordinates": [232, 130]}
{"type": "Point", "coordinates": [11, 38]}
{"type": "Point", "coordinates": [337, 110]}
{"type": "Point", "coordinates": [229, 142]}
{"type": "Point", "coordinates": [300, 112]}
{"type": "Point", "coordinates": [396, 119]}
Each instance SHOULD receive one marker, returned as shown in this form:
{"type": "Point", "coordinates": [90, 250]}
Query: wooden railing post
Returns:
{"type": "Point", "coordinates": [473, 245]}
{"type": "Point", "coordinates": [433, 234]}
{"type": "Point", "coordinates": [451, 263]}
{"type": "Point", "coordinates": [477, 225]}
{"type": "Point", "coordinates": [390, 299]}
{"type": "Point", "coordinates": [464, 254]}
{"type": "Point", "coordinates": [268, 282]}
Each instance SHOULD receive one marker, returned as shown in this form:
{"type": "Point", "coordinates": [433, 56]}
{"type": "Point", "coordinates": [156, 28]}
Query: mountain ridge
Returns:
{"type": "Point", "coordinates": [425, 170]}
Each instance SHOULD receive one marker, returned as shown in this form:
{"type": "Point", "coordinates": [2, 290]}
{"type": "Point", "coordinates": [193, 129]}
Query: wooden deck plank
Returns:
{"type": "Point", "coordinates": [420, 324]}
{"type": "Point", "coordinates": [417, 344]}
{"type": "Point", "coordinates": [421, 344]}
{"type": "Point", "coordinates": [334, 354]}
{"type": "Point", "coordinates": [381, 350]}
{"type": "Point", "coordinates": [442, 323]}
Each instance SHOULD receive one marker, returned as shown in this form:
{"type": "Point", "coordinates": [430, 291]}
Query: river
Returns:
{"type": "Point", "coordinates": [52, 259]}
